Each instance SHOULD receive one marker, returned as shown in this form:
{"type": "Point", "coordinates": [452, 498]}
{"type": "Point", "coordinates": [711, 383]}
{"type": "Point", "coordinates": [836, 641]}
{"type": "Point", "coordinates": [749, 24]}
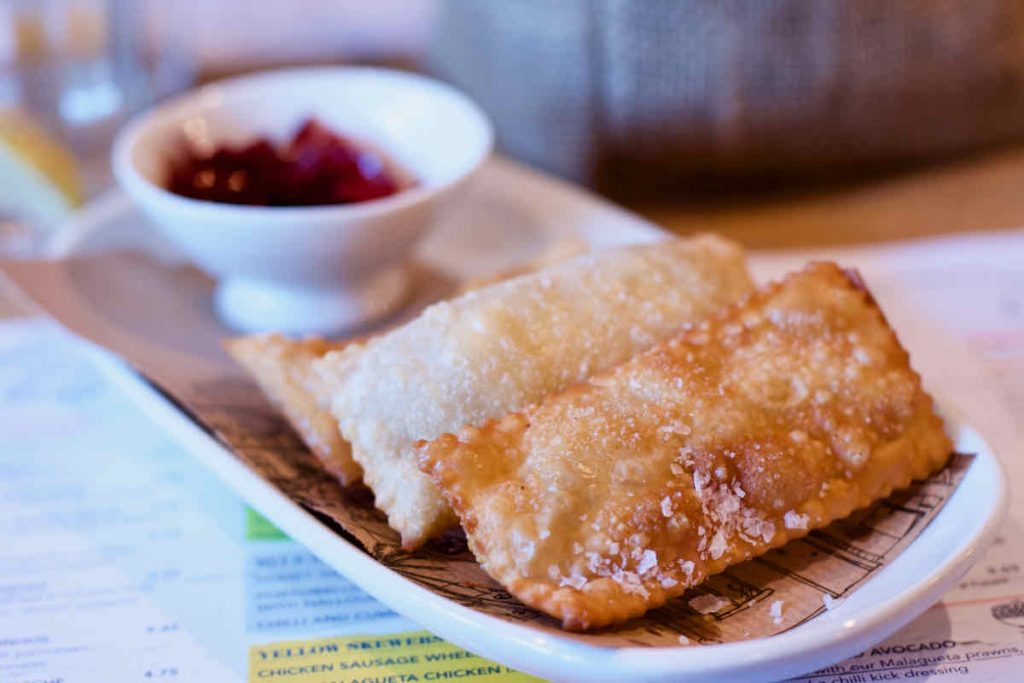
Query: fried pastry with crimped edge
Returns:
{"type": "Point", "coordinates": [782, 414]}
{"type": "Point", "coordinates": [505, 346]}
{"type": "Point", "coordinates": [282, 368]}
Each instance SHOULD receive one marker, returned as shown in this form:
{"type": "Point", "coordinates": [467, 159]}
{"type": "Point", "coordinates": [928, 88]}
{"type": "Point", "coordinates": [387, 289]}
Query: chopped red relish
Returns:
{"type": "Point", "coordinates": [316, 167]}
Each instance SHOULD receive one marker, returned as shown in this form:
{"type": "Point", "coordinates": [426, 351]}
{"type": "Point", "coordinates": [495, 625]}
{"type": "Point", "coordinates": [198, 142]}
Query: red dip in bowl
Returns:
{"type": "Point", "coordinates": [316, 167]}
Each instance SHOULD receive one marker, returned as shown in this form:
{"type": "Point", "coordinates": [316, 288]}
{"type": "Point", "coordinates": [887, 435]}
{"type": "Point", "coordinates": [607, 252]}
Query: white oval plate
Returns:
{"type": "Point", "coordinates": [544, 210]}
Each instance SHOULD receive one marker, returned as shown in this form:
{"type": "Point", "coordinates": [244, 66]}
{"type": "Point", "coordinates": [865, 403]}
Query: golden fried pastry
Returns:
{"type": "Point", "coordinates": [778, 416]}
{"type": "Point", "coordinates": [502, 347]}
{"type": "Point", "coordinates": [283, 369]}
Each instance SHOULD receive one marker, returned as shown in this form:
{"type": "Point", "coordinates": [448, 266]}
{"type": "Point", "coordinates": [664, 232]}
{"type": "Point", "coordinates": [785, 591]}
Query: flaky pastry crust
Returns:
{"type": "Point", "coordinates": [782, 414]}
{"type": "Point", "coordinates": [504, 346]}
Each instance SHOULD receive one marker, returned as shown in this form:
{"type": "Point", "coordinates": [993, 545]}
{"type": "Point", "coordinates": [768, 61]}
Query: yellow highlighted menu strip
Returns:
{"type": "Point", "coordinates": [392, 658]}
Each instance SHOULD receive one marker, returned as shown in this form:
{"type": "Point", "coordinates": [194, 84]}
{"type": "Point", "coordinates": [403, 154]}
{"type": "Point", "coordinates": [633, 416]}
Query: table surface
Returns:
{"type": "Point", "coordinates": [981, 193]}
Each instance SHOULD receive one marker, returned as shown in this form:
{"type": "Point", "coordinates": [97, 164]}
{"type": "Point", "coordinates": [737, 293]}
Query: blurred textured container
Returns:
{"type": "Point", "coordinates": [657, 93]}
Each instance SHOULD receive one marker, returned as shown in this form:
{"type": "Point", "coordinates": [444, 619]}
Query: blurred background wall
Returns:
{"type": "Point", "coordinates": [657, 96]}
{"type": "Point", "coordinates": [227, 35]}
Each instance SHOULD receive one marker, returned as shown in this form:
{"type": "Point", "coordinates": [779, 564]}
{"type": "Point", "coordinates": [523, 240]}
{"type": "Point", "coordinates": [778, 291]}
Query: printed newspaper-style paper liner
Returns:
{"type": "Point", "coordinates": [158, 318]}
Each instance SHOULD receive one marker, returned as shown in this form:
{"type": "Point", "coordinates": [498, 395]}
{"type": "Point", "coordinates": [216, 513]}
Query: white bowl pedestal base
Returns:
{"type": "Point", "coordinates": [252, 305]}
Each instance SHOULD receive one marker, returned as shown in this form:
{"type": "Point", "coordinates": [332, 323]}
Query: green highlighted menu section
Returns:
{"type": "Point", "coordinates": [259, 528]}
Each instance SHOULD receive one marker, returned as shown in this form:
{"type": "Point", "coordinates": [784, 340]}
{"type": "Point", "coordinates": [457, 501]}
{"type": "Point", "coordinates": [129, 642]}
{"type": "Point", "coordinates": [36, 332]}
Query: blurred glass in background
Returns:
{"type": "Point", "coordinates": [71, 72]}
{"type": "Point", "coordinates": [81, 66]}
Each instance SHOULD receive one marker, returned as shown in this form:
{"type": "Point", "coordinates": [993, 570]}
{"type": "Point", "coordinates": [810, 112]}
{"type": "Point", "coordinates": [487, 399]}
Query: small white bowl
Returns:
{"type": "Point", "coordinates": [316, 269]}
